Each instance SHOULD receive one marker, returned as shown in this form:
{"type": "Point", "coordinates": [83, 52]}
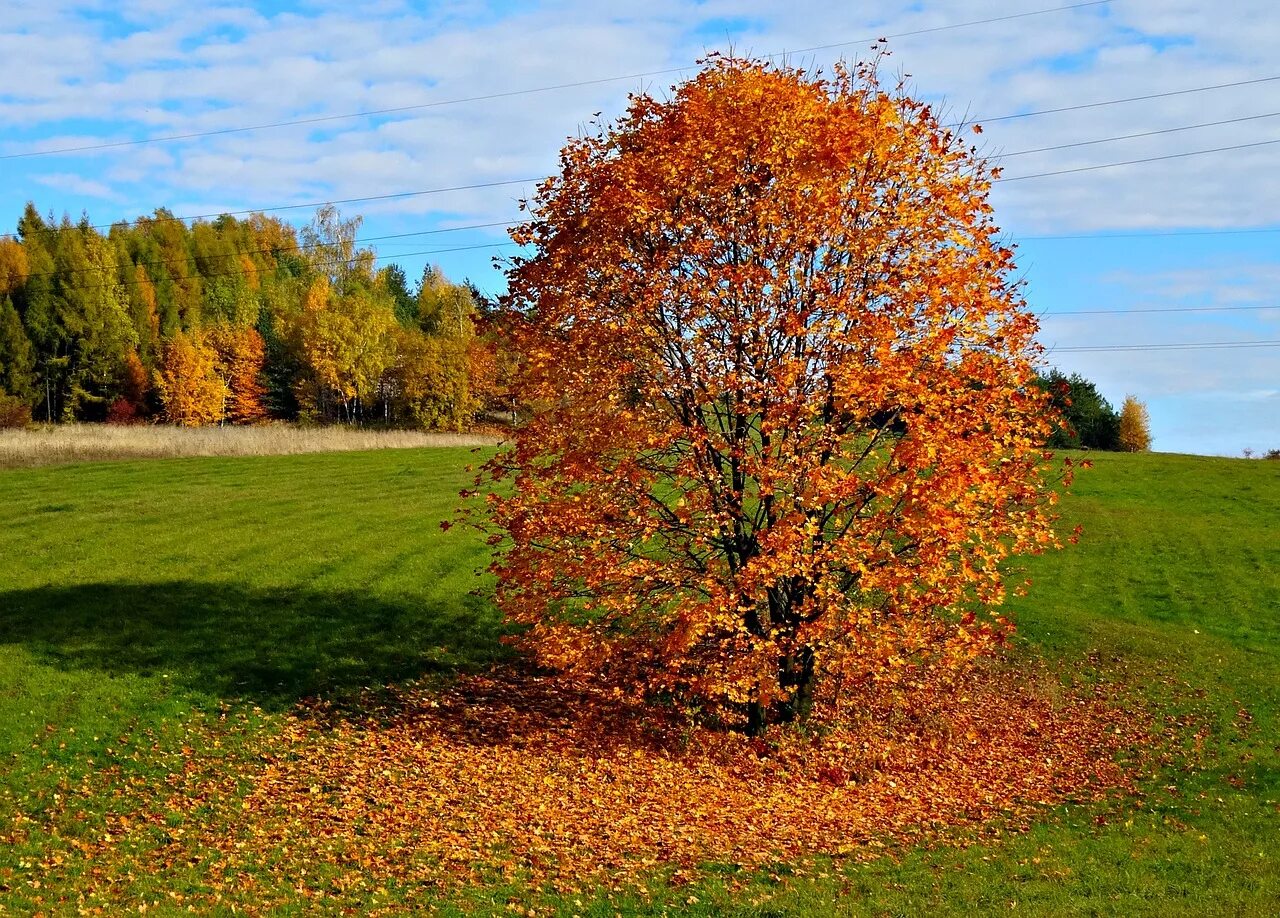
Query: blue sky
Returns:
{"type": "Point", "coordinates": [80, 72]}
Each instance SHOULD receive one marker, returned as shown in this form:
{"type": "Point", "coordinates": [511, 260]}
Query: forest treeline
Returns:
{"type": "Point", "coordinates": [233, 320]}
{"type": "Point", "coordinates": [1087, 419]}
{"type": "Point", "coordinates": [245, 320]}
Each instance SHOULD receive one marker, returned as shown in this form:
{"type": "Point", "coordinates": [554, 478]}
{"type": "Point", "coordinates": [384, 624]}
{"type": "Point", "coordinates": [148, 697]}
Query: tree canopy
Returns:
{"type": "Point", "coordinates": [785, 423]}
{"type": "Point", "coordinates": [297, 322]}
{"type": "Point", "coordinates": [1135, 426]}
{"type": "Point", "coordinates": [1087, 420]}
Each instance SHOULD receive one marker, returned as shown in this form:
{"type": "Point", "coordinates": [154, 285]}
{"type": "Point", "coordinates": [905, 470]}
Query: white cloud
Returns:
{"type": "Point", "coordinates": [75, 184]}
{"type": "Point", "coordinates": [224, 65]}
{"type": "Point", "coordinates": [159, 67]}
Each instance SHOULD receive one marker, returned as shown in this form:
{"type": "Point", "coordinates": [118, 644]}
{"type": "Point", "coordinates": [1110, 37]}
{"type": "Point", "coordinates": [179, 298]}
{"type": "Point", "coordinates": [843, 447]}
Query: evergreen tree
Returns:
{"type": "Point", "coordinates": [282, 367]}
{"type": "Point", "coordinates": [93, 310]}
{"type": "Point", "coordinates": [36, 302]}
{"type": "Point", "coordinates": [17, 356]}
{"type": "Point", "coordinates": [1088, 420]}
{"type": "Point", "coordinates": [485, 305]}
{"type": "Point", "coordinates": [397, 285]}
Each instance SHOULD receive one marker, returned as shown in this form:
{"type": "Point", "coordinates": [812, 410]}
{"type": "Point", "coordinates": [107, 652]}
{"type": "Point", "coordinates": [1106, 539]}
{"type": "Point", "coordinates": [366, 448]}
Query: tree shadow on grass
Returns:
{"type": "Point", "coordinates": [269, 646]}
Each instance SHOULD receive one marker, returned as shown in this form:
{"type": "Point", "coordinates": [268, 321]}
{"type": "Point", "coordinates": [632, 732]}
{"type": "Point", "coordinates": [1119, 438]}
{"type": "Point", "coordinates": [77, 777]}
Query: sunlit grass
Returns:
{"type": "Point", "coordinates": [135, 596]}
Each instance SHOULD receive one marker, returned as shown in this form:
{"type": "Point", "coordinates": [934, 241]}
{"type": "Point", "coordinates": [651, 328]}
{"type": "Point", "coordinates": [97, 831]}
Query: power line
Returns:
{"type": "Point", "coordinates": [504, 182]}
{"type": "Point", "coordinates": [1058, 350]}
{"type": "Point", "coordinates": [1133, 162]}
{"type": "Point", "coordinates": [279, 207]}
{"type": "Point", "coordinates": [1194, 346]}
{"type": "Point", "coordinates": [943, 28]}
{"type": "Point", "coordinates": [300, 247]}
{"type": "Point", "coordinates": [1152, 234]}
{"type": "Point", "coordinates": [330, 261]}
{"type": "Point", "coordinates": [320, 119]}
{"type": "Point", "coordinates": [1110, 312]}
{"type": "Point", "coordinates": [1154, 95]}
{"type": "Point", "coordinates": [1082, 349]}
{"type": "Point", "coordinates": [1173, 130]}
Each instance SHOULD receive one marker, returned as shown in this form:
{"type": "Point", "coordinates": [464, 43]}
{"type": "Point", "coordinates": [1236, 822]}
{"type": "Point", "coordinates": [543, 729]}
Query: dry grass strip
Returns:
{"type": "Point", "coordinates": [66, 443]}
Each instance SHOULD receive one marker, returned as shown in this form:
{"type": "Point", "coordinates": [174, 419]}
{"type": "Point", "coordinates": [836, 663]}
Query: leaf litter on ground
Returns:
{"type": "Point", "coordinates": [514, 776]}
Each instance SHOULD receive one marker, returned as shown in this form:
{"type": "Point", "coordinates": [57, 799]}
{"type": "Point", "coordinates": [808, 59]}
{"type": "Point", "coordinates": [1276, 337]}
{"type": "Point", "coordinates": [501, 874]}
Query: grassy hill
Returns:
{"type": "Point", "coordinates": [137, 596]}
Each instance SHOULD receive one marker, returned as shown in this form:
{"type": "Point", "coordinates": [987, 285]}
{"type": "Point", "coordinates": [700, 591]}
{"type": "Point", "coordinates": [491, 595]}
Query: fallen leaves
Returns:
{"type": "Point", "coordinates": [522, 777]}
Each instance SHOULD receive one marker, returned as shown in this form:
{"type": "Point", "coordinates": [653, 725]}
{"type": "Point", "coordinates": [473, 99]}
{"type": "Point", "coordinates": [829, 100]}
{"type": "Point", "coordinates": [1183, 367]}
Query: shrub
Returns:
{"type": "Point", "coordinates": [14, 412]}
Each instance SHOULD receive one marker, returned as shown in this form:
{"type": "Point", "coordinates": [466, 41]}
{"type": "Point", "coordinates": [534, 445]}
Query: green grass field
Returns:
{"type": "Point", "coordinates": [137, 596]}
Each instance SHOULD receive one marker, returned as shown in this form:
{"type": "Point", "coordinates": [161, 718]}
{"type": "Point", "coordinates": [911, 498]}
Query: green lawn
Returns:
{"type": "Point", "coordinates": [137, 596]}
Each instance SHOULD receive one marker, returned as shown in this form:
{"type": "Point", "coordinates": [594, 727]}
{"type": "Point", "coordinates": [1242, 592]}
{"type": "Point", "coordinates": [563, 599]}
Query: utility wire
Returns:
{"type": "Point", "coordinates": [329, 261]}
{"type": "Point", "coordinates": [1116, 312]}
{"type": "Point", "coordinates": [284, 250]}
{"type": "Point", "coordinates": [1208, 345]}
{"type": "Point", "coordinates": [525, 181]}
{"type": "Point", "coordinates": [1132, 162]}
{"type": "Point", "coordinates": [1194, 346]}
{"type": "Point", "coordinates": [1099, 348]}
{"type": "Point", "coordinates": [1151, 234]}
{"type": "Point", "coordinates": [1154, 95]}
{"type": "Point", "coordinates": [1173, 130]}
{"type": "Point", "coordinates": [408, 194]}
{"type": "Point", "coordinates": [279, 207]}
{"type": "Point", "coordinates": [320, 119]}
{"type": "Point", "coordinates": [1017, 238]}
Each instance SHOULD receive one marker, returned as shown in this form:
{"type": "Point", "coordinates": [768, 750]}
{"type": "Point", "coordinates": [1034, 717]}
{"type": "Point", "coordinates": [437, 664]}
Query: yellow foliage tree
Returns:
{"type": "Point", "coordinates": [347, 340]}
{"type": "Point", "coordinates": [431, 380]}
{"type": "Point", "coordinates": [13, 266]}
{"type": "Point", "coordinates": [191, 391]}
{"type": "Point", "coordinates": [1135, 426]}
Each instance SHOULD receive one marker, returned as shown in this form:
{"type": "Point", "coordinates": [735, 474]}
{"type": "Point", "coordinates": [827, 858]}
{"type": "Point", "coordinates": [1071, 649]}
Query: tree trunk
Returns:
{"type": "Point", "coordinates": [796, 672]}
{"type": "Point", "coordinates": [798, 675]}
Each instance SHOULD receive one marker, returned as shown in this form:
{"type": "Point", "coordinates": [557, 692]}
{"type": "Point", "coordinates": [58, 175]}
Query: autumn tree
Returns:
{"type": "Point", "coordinates": [1135, 426]}
{"type": "Point", "coordinates": [241, 357]}
{"type": "Point", "coordinates": [191, 392]}
{"type": "Point", "coordinates": [445, 309]}
{"type": "Point", "coordinates": [330, 249]}
{"type": "Point", "coordinates": [13, 266]}
{"type": "Point", "coordinates": [495, 360]}
{"type": "Point", "coordinates": [164, 246]}
{"type": "Point", "coordinates": [785, 424]}
{"type": "Point", "coordinates": [431, 380]}
{"type": "Point", "coordinates": [131, 405]}
{"type": "Point", "coordinates": [345, 339]}
{"type": "Point", "coordinates": [228, 291]}
{"type": "Point", "coordinates": [142, 309]}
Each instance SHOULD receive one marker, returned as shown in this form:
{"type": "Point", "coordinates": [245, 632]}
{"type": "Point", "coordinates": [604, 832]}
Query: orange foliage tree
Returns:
{"type": "Point", "coordinates": [190, 389]}
{"type": "Point", "coordinates": [135, 386]}
{"type": "Point", "coordinates": [784, 428]}
{"type": "Point", "coordinates": [241, 358]}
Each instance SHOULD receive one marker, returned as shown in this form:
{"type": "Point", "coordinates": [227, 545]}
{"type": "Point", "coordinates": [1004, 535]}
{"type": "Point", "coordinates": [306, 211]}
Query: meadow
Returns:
{"type": "Point", "coordinates": [138, 598]}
